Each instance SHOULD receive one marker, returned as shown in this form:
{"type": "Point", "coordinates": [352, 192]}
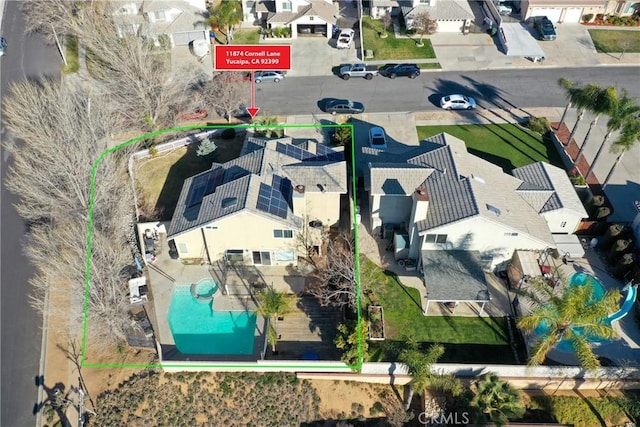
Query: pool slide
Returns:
{"type": "Point", "coordinates": [632, 293]}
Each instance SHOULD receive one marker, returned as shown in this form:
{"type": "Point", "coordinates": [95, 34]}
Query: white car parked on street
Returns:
{"type": "Point", "coordinates": [457, 102]}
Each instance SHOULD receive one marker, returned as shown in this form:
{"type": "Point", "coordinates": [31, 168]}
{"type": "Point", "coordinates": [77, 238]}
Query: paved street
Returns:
{"type": "Point", "coordinates": [26, 57]}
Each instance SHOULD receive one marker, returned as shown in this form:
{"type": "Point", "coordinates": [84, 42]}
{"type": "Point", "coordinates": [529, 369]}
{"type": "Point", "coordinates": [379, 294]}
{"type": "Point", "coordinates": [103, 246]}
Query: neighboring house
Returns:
{"type": "Point", "coordinates": [549, 191]}
{"type": "Point", "coordinates": [174, 23]}
{"type": "Point", "coordinates": [571, 11]}
{"type": "Point", "coordinates": [453, 16]}
{"type": "Point", "coordinates": [447, 199]}
{"type": "Point", "coordinates": [252, 209]}
{"type": "Point", "coordinates": [302, 16]}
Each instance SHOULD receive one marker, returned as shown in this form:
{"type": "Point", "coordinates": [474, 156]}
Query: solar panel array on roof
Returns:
{"type": "Point", "coordinates": [293, 151]}
{"type": "Point", "coordinates": [327, 154]}
{"type": "Point", "coordinates": [203, 185]}
{"type": "Point", "coordinates": [284, 186]}
{"type": "Point", "coordinates": [275, 198]}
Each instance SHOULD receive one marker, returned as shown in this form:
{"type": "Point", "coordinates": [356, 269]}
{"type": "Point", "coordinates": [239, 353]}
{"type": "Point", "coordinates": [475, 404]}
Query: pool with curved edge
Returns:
{"type": "Point", "coordinates": [579, 279]}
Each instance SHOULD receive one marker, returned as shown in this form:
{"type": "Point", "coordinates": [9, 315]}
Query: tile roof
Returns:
{"type": "Point", "coordinates": [237, 184]}
{"type": "Point", "coordinates": [442, 10]}
{"type": "Point", "coordinates": [460, 186]}
{"type": "Point", "coordinates": [540, 179]}
{"type": "Point", "coordinates": [454, 276]}
{"type": "Point", "coordinates": [396, 178]}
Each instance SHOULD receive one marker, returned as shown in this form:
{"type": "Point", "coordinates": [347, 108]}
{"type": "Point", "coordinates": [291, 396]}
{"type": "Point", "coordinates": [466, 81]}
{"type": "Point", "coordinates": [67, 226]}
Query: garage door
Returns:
{"type": "Point", "coordinates": [553, 13]}
{"type": "Point", "coordinates": [573, 15]}
{"type": "Point", "coordinates": [450, 26]}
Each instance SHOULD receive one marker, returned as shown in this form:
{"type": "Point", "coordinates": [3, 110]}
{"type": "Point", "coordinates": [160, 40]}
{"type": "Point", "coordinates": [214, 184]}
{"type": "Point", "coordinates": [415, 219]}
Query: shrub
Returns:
{"type": "Point", "coordinates": [539, 124]}
{"type": "Point", "coordinates": [587, 17]}
{"type": "Point", "coordinates": [153, 151]}
{"type": "Point", "coordinates": [599, 17]}
{"type": "Point", "coordinates": [228, 133]}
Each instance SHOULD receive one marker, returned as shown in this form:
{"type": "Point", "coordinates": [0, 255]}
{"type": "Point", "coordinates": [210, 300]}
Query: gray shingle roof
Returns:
{"type": "Point", "coordinates": [542, 178]}
{"type": "Point", "coordinates": [454, 276]}
{"type": "Point", "coordinates": [235, 185]}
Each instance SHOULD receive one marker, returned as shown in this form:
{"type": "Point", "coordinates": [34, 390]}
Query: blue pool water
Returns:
{"type": "Point", "coordinates": [198, 329]}
{"type": "Point", "coordinates": [578, 279]}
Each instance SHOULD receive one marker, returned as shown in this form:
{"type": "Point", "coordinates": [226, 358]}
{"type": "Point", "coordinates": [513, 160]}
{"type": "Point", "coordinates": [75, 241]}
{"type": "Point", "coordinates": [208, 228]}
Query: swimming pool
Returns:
{"type": "Point", "coordinates": [198, 329]}
{"type": "Point", "coordinates": [579, 279]}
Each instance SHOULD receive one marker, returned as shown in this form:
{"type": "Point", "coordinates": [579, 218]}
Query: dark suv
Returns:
{"type": "Point", "coordinates": [406, 70]}
{"type": "Point", "coordinates": [545, 28]}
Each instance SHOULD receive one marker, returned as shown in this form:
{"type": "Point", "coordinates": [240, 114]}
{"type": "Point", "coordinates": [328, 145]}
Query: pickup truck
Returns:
{"type": "Point", "coordinates": [358, 70]}
{"type": "Point", "coordinates": [545, 28]}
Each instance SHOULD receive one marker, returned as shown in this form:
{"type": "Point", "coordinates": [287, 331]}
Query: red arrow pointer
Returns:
{"type": "Point", "coordinates": [253, 110]}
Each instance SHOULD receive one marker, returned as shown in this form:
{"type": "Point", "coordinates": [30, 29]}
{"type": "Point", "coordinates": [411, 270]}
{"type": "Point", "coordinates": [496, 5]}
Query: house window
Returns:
{"type": "Point", "coordinates": [285, 256]}
{"type": "Point", "coordinates": [235, 255]}
{"type": "Point", "coordinates": [283, 234]}
{"type": "Point", "coordinates": [425, 1]}
{"type": "Point", "coordinates": [510, 234]}
{"type": "Point", "coordinates": [311, 18]}
{"type": "Point", "coordinates": [159, 16]}
{"type": "Point", "coordinates": [182, 248]}
{"type": "Point", "coordinates": [436, 238]}
{"type": "Point", "coordinates": [286, 5]}
{"type": "Point", "coordinates": [563, 224]}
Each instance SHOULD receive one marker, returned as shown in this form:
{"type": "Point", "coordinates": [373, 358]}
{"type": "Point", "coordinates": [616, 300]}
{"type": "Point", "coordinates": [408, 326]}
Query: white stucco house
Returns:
{"type": "Point", "coordinates": [179, 22]}
{"type": "Point", "coordinates": [251, 210]}
{"type": "Point", "coordinates": [453, 16]}
{"type": "Point", "coordinates": [302, 16]}
{"type": "Point", "coordinates": [444, 198]}
{"type": "Point", "coordinates": [572, 11]}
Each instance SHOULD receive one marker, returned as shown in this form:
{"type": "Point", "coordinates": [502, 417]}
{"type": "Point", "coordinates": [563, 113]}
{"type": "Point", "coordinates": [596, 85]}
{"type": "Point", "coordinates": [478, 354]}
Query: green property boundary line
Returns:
{"type": "Point", "coordinates": [230, 365]}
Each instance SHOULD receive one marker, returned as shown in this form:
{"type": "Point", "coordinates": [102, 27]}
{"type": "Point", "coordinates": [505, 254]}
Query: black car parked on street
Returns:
{"type": "Point", "coordinates": [403, 70]}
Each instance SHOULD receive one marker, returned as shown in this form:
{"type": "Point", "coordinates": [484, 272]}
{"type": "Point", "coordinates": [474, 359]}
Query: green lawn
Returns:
{"type": "Point", "coordinates": [71, 55]}
{"type": "Point", "coordinates": [616, 40]}
{"type": "Point", "coordinates": [241, 36]}
{"type": "Point", "coordinates": [507, 145]}
{"type": "Point", "coordinates": [466, 339]}
{"type": "Point", "coordinates": [391, 47]}
{"type": "Point", "coordinates": [159, 179]}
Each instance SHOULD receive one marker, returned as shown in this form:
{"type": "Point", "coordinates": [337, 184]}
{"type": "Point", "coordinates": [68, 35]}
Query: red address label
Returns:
{"type": "Point", "coordinates": [252, 57]}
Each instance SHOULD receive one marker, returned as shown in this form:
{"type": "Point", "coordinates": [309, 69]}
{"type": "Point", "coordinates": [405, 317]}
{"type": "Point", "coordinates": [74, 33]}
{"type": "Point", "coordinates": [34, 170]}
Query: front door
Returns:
{"type": "Point", "coordinates": [261, 258]}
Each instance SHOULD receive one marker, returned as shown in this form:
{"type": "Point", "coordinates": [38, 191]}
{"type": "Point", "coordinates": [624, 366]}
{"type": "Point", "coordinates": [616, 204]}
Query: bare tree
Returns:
{"type": "Point", "coordinates": [334, 282]}
{"type": "Point", "coordinates": [386, 22]}
{"type": "Point", "coordinates": [64, 132]}
{"type": "Point", "coordinates": [225, 92]}
{"type": "Point", "coordinates": [133, 71]}
{"type": "Point", "coordinates": [51, 18]}
{"type": "Point", "coordinates": [423, 24]}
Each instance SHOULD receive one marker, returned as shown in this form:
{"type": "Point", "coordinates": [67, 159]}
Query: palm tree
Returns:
{"type": "Point", "coordinates": [273, 304]}
{"type": "Point", "coordinates": [604, 102]}
{"type": "Point", "coordinates": [419, 365]}
{"type": "Point", "coordinates": [630, 136]}
{"type": "Point", "coordinates": [626, 110]}
{"type": "Point", "coordinates": [227, 15]}
{"type": "Point", "coordinates": [584, 97]}
{"type": "Point", "coordinates": [571, 91]}
{"type": "Point", "coordinates": [498, 400]}
{"type": "Point", "coordinates": [571, 315]}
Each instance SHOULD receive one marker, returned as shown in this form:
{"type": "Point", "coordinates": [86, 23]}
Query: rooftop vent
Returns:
{"type": "Point", "coordinates": [322, 188]}
{"type": "Point", "coordinates": [494, 209]}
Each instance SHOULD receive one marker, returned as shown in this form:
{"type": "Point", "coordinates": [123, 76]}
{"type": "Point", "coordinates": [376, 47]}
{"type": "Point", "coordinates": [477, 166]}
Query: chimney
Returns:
{"type": "Point", "coordinates": [299, 201]}
{"type": "Point", "coordinates": [419, 210]}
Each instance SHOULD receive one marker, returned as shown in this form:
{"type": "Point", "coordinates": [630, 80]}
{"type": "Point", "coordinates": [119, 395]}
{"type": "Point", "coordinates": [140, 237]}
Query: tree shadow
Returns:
{"type": "Point", "coordinates": [55, 396]}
